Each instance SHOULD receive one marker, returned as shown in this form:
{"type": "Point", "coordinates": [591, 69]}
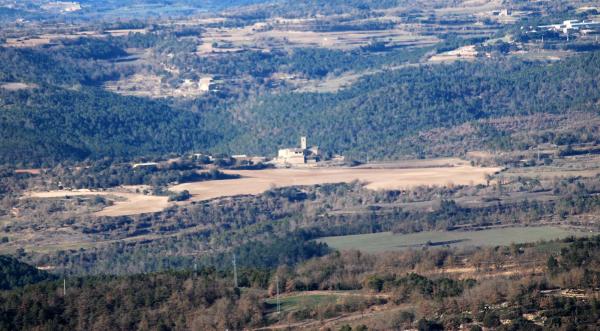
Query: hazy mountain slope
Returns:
{"type": "Point", "coordinates": [113, 9]}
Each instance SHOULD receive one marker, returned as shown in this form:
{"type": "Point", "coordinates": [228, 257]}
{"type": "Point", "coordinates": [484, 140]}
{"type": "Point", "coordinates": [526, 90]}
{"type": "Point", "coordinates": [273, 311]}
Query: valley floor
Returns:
{"type": "Point", "coordinates": [381, 176]}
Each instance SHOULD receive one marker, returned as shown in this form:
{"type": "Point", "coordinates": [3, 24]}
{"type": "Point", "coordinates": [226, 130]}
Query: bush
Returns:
{"type": "Point", "coordinates": [425, 325]}
{"type": "Point", "coordinates": [374, 283]}
{"type": "Point", "coordinates": [404, 319]}
{"type": "Point", "coordinates": [180, 196]}
{"type": "Point", "coordinates": [491, 319]}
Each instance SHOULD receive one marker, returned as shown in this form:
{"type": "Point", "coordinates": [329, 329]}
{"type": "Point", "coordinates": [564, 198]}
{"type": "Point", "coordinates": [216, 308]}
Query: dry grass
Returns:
{"type": "Point", "coordinates": [462, 53]}
{"type": "Point", "coordinates": [37, 171]}
{"type": "Point", "coordinates": [471, 7]}
{"type": "Point", "coordinates": [378, 177]}
{"type": "Point", "coordinates": [475, 273]}
{"type": "Point", "coordinates": [129, 204]}
{"type": "Point", "coordinates": [48, 38]}
{"type": "Point", "coordinates": [330, 84]}
{"type": "Point", "coordinates": [552, 174]}
{"type": "Point", "coordinates": [538, 54]}
{"type": "Point", "coordinates": [387, 241]}
{"type": "Point", "coordinates": [125, 32]}
{"type": "Point", "coordinates": [279, 34]}
{"type": "Point", "coordinates": [152, 86]}
{"type": "Point", "coordinates": [29, 41]}
{"type": "Point", "coordinates": [17, 86]}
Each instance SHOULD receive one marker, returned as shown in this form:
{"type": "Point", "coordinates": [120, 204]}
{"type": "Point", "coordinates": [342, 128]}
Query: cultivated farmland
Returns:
{"type": "Point", "coordinates": [382, 176]}
{"type": "Point", "coordinates": [378, 177]}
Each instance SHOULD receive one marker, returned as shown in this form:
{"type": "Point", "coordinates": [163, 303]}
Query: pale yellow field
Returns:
{"type": "Point", "coordinates": [152, 86]}
{"type": "Point", "coordinates": [131, 203]}
{"type": "Point", "coordinates": [273, 34]}
{"type": "Point", "coordinates": [379, 176]}
{"type": "Point", "coordinates": [462, 53]}
{"type": "Point", "coordinates": [17, 86]}
{"type": "Point", "coordinates": [47, 38]}
{"type": "Point", "coordinates": [258, 181]}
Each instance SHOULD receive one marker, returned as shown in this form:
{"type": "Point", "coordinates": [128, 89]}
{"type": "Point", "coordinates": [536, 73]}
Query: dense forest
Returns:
{"type": "Point", "coordinates": [15, 274]}
{"type": "Point", "coordinates": [201, 300]}
{"type": "Point", "coordinates": [68, 116]}
{"type": "Point", "coordinates": [372, 115]}
{"type": "Point", "coordinates": [207, 299]}
{"type": "Point", "coordinates": [105, 175]}
{"type": "Point", "coordinates": [62, 119]}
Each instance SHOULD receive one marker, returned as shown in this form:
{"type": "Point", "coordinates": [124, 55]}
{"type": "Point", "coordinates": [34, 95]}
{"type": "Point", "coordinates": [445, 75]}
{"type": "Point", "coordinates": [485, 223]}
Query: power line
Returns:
{"type": "Point", "coordinates": [235, 278]}
{"type": "Point", "coordinates": [278, 304]}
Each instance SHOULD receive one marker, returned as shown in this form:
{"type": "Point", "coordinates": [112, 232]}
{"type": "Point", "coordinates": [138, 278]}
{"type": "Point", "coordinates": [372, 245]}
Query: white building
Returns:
{"type": "Point", "coordinates": [298, 156]}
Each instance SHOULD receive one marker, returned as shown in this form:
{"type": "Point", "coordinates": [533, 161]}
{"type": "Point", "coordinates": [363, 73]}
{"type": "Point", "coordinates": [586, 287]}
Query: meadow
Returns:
{"type": "Point", "coordinates": [387, 241]}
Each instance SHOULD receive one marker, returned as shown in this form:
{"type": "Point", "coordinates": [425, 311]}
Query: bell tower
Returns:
{"type": "Point", "coordinates": [303, 142]}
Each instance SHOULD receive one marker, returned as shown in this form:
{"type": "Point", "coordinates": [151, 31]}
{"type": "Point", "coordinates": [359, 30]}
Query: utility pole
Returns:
{"type": "Point", "coordinates": [278, 305]}
{"type": "Point", "coordinates": [65, 286]}
{"type": "Point", "coordinates": [235, 279]}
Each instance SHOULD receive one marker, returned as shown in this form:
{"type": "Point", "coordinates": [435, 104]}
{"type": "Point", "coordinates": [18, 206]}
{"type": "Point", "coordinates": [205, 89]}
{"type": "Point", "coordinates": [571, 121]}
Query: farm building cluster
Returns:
{"type": "Point", "coordinates": [296, 156]}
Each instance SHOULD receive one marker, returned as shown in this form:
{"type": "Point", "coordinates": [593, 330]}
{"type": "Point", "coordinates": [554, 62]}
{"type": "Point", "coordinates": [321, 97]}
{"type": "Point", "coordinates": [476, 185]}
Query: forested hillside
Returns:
{"type": "Point", "coordinates": [302, 8]}
{"type": "Point", "coordinates": [372, 115]}
{"type": "Point", "coordinates": [35, 10]}
{"type": "Point", "coordinates": [66, 115]}
{"type": "Point", "coordinates": [206, 299]}
{"type": "Point", "coordinates": [167, 301]}
{"type": "Point", "coordinates": [17, 274]}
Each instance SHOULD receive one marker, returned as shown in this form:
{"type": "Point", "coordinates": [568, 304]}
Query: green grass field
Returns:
{"type": "Point", "coordinates": [295, 302]}
{"type": "Point", "coordinates": [387, 241]}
